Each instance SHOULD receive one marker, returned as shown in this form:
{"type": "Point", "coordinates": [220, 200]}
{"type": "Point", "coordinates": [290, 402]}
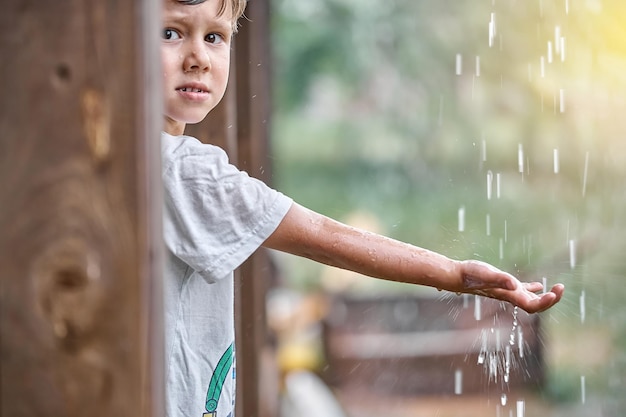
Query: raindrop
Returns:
{"type": "Point", "coordinates": [521, 405]}
{"type": "Point", "coordinates": [461, 219]}
{"type": "Point", "coordinates": [507, 363]}
{"type": "Point", "coordinates": [506, 232]}
{"type": "Point", "coordinates": [489, 184]}
{"type": "Point", "coordinates": [498, 185]}
{"type": "Point", "coordinates": [549, 52]}
{"type": "Point", "coordinates": [492, 29]}
{"type": "Point", "coordinates": [501, 249]}
{"type": "Point", "coordinates": [583, 389]}
{"type": "Point", "coordinates": [556, 161]}
{"type": "Point", "coordinates": [572, 254]}
{"type": "Point", "coordinates": [458, 382]}
{"type": "Point", "coordinates": [582, 307]}
{"type": "Point", "coordinates": [545, 284]}
{"type": "Point", "coordinates": [520, 158]}
{"type": "Point", "coordinates": [477, 310]}
{"type": "Point", "coordinates": [478, 66]}
{"type": "Point", "coordinates": [484, 150]}
{"type": "Point", "coordinates": [503, 399]}
{"type": "Point", "coordinates": [585, 173]}
{"type": "Point", "coordinates": [459, 64]}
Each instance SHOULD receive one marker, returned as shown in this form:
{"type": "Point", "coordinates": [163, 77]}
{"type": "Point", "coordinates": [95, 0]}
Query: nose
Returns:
{"type": "Point", "coordinates": [196, 57]}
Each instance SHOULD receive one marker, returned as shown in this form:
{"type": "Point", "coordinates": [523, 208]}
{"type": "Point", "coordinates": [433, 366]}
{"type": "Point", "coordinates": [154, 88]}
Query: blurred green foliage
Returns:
{"type": "Point", "coordinates": [406, 108]}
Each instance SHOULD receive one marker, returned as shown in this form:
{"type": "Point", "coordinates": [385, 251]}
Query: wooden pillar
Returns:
{"type": "Point", "coordinates": [258, 390]}
{"type": "Point", "coordinates": [80, 238]}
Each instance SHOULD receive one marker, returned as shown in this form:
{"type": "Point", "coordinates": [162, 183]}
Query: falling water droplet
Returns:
{"type": "Point", "coordinates": [459, 64]}
{"type": "Point", "coordinates": [521, 405]}
{"type": "Point", "coordinates": [458, 382]}
{"type": "Point", "coordinates": [582, 307]}
{"type": "Point", "coordinates": [484, 150]}
{"type": "Point", "coordinates": [492, 29]}
{"type": "Point", "coordinates": [585, 173]}
{"type": "Point", "coordinates": [555, 157]}
{"type": "Point", "coordinates": [498, 176]}
{"type": "Point", "coordinates": [545, 284]}
{"type": "Point", "coordinates": [478, 66]}
{"type": "Point", "coordinates": [583, 389]}
{"type": "Point", "coordinates": [503, 399]}
{"type": "Point", "coordinates": [506, 232]}
{"type": "Point", "coordinates": [520, 158]}
{"type": "Point", "coordinates": [572, 254]}
{"type": "Point", "coordinates": [461, 219]}
{"type": "Point", "coordinates": [549, 52]}
{"type": "Point", "coordinates": [477, 310]}
{"type": "Point", "coordinates": [489, 184]}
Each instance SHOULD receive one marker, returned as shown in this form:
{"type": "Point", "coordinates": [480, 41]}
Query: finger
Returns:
{"type": "Point", "coordinates": [542, 302]}
{"type": "Point", "coordinates": [558, 290]}
{"type": "Point", "coordinates": [533, 286]}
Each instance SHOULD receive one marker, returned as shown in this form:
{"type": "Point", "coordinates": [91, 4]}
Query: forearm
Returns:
{"type": "Point", "coordinates": [311, 235]}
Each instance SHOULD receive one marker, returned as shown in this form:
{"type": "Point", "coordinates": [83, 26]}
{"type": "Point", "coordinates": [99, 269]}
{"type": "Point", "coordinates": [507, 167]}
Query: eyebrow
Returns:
{"type": "Point", "coordinates": [176, 15]}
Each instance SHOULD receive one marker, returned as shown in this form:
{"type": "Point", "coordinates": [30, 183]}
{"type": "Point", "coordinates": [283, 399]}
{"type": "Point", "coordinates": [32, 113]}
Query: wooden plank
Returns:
{"type": "Point", "coordinates": [257, 390]}
{"type": "Point", "coordinates": [78, 215]}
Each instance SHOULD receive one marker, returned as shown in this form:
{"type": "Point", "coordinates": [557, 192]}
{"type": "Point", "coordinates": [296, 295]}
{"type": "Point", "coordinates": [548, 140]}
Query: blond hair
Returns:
{"type": "Point", "coordinates": [236, 7]}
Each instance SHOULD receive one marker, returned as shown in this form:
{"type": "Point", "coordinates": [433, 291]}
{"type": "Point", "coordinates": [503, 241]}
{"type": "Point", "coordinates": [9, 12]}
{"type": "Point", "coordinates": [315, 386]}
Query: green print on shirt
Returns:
{"type": "Point", "coordinates": [217, 381]}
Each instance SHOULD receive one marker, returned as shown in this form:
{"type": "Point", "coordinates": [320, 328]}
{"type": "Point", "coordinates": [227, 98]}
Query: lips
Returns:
{"type": "Point", "coordinates": [193, 92]}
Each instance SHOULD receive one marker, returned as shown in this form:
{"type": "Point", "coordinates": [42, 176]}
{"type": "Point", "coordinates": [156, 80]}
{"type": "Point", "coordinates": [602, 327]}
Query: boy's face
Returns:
{"type": "Point", "coordinates": [195, 49]}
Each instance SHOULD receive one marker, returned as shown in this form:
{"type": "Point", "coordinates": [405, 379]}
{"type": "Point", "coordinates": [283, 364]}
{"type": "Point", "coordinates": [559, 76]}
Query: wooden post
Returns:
{"type": "Point", "coordinates": [258, 390]}
{"type": "Point", "coordinates": [79, 214]}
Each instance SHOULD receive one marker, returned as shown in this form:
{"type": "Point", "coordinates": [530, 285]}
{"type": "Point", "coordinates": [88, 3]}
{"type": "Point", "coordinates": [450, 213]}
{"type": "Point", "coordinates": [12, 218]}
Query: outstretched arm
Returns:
{"type": "Point", "coordinates": [308, 234]}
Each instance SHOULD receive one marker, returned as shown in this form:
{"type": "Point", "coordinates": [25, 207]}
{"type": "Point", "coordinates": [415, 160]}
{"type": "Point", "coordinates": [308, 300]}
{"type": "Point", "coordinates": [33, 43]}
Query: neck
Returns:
{"type": "Point", "coordinates": [174, 128]}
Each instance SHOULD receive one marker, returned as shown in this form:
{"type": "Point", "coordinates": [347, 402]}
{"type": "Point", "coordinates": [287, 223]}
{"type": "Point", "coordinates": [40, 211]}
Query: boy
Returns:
{"type": "Point", "coordinates": [216, 216]}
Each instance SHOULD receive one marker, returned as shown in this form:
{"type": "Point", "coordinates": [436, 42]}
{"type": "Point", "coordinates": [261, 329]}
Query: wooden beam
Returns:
{"type": "Point", "coordinates": [79, 214]}
{"type": "Point", "coordinates": [258, 389]}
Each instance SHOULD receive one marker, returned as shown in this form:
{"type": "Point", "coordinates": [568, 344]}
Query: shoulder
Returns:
{"type": "Point", "coordinates": [173, 147]}
{"type": "Point", "coordinates": [185, 155]}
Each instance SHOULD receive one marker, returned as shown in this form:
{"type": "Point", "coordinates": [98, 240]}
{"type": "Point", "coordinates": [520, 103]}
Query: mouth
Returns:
{"type": "Point", "coordinates": [194, 92]}
{"type": "Point", "coordinates": [191, 90]}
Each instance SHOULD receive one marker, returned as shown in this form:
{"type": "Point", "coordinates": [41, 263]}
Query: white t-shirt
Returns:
{"type": "Point", "coordinates": [215, 217]}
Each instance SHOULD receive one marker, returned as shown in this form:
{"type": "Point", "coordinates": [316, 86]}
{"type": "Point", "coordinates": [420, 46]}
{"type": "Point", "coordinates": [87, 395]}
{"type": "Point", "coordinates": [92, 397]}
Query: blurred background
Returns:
{"type": "Point", "coordinates": [489, 129]}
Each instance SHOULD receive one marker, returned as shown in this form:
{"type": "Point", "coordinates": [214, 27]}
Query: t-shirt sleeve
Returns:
{"type": "Point", "coordinates": [215, 216]}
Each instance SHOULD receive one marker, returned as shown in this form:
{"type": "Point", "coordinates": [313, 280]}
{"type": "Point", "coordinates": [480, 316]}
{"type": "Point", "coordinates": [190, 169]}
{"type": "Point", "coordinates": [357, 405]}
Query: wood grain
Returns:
{"type": "Point", "coordinates": [78, 251]}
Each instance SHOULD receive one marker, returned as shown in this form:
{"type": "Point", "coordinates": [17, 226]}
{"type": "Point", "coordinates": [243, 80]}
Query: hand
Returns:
{"type": "Point", "coordinates": [483, 279]}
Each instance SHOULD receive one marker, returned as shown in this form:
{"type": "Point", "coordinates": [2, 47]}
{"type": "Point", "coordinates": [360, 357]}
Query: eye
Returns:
{"type": "Point", "coordinates": [214, 38]}
{"type": "Point", "coordinates": [170, 34]}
